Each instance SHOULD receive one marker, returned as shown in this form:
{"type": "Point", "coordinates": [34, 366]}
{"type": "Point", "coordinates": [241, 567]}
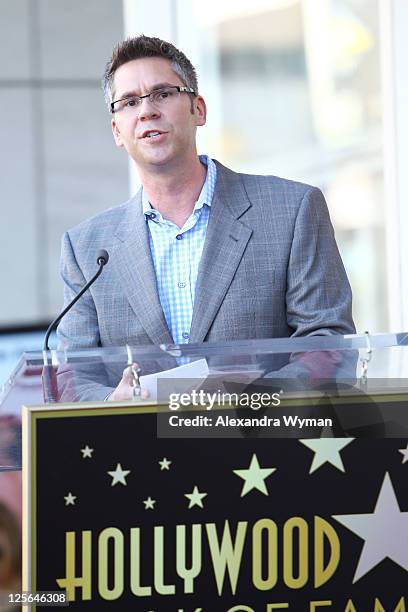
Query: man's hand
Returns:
{"type": "Point", "coordinates": [124, 390]}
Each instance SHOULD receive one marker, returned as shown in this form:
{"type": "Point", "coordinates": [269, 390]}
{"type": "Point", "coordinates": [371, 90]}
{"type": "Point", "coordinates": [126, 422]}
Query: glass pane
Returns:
{"type": "Point", "coordinates": [293, 89]}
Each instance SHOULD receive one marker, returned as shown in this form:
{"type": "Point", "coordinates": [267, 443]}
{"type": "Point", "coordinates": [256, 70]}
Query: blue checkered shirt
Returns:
{"type": "Point", "coordinates": [176, 254]}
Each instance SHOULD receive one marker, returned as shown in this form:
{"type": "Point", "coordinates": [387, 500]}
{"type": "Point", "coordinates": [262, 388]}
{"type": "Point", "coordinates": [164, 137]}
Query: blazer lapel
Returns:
{"type": "Point", "coordinates": [135, 270]}
{"type": "Point", "coordinates": [224, 246]}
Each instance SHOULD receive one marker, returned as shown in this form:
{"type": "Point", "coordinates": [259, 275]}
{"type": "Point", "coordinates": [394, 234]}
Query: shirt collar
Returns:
{"type": "Point", "coordinates": [206, 192]}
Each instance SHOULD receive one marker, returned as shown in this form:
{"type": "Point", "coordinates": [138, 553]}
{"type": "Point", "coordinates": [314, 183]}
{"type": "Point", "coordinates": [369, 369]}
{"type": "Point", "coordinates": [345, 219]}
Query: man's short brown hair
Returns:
{"type": "Point", "coordinates": [147, 46]}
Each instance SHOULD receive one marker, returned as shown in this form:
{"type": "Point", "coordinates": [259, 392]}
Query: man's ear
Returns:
{"type": "Point", "coordinates": [116, 134]}
{"type": "Point", "coordinates": [200, 110]}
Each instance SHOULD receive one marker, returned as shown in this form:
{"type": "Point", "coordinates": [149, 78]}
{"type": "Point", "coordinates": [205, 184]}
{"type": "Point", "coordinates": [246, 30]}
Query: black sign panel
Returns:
{"type": "Point", "coordinates": [126, 521]}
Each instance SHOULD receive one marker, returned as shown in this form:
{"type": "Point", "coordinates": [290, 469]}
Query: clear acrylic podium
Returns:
{"type": "Point", "coordinates": [378, 363]}
{"type": "Point", "coordinates": [101, 476]}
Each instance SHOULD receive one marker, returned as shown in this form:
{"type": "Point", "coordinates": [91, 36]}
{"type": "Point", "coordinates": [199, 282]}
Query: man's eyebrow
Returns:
{"type": "Point", "coordinates": [132, 94]}
{"type": "Point", "coordinates": [160, 85]}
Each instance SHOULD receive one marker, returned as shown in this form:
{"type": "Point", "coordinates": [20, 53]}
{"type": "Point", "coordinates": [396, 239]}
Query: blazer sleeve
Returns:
{"type": "Point", "coordinates": [79, 329]}
{"type": "Point", "coordinates": [318, 296]}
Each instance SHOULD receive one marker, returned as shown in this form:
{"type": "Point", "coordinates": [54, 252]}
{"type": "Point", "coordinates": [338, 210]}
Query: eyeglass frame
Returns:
{"type": "Point", "coordinates": [180, 89]}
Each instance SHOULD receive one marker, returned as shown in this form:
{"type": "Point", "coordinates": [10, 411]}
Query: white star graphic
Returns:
{"type": "Point", "coordinates": [404, 452]}
{"type": "Point", "coordinates": [327, 450]}
{"type": "Point", "coordinates": [119, 475]}
{"type": "Point", "coordinates": [87, 452]}
{"type": "Point", "coordinates": [196, 498]}
{"type": "Point", "coordinates": [254, 477]}
{"type": "Point", "coordinates": [149, 503]}
{"type": "Point", "coordinates": [385, 531]}
{"type": "Point", "coordinates": [164, 464]}
{"type": "Point", "coordinates": [70, 499]}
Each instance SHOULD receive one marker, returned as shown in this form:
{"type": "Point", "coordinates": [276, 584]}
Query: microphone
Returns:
{"type": "Point", "coordinates": [50, 385]}
{"type": "Point", "coordinates": [102, 259]}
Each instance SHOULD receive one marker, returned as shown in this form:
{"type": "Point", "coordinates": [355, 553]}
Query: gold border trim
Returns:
{"type": "Point", "coordinates": [31, 414]}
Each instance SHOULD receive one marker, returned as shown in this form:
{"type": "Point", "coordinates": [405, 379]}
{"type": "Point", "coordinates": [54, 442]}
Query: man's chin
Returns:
{"type": "Point", "coordinates": [157, 162]}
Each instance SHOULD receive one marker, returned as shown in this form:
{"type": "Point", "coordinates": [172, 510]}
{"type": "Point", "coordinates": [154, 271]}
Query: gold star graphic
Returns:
{"type": "Point", "coordinates": [196, 498]}
{"type": "Point", "coordinates": [384, 531]}
{"type": "Point", "coordinates": [149, 503]}
{"type": "Point", "coordinates": [70, 499]}
{"type": "Point", "coordinates": [404, 452]}
{"type": "Point", "coordinates": [164, 464]}
{"type": "Point", "coordinates": [327, 450]}
{"type": "Point", "coordinates": [254, 477]}
{"type": "Point", "coordinates": [87, 452]}
{"type": "Point", "coordinates": [119, 475]}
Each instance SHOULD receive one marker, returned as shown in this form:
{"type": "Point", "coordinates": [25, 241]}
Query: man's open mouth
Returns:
{"type": "Point", "coordinates": [152, 134]}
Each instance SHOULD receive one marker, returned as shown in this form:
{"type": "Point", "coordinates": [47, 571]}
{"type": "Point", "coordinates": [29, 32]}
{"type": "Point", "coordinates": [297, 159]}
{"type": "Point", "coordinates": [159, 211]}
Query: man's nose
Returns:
{"type": "Point", "coordinates": [147, 109]}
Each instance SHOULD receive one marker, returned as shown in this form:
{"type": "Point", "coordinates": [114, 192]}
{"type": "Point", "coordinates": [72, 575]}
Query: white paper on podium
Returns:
{"type": "Point", "coordinates": [187, 377]}
{"type": "Point", "coordinates": [182, 377]}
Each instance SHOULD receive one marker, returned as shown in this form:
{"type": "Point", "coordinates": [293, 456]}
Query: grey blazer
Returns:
{"type": "Point", "coordinates": [270, 268]}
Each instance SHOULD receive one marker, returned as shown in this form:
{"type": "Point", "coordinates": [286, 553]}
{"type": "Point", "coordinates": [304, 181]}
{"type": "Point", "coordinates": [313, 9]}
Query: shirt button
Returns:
{"type": "Point", "coordinates": [185, 335]}
{"type": "Point", "coordinates": [152, 216]}
{"type": "Point", "coordinates": [179, 236]}
{"type": "Point", "coordinates": [181, 285]}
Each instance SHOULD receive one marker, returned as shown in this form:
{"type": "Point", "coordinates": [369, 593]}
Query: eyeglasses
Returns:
{"type": "Point", "coordinates": [159, 98]}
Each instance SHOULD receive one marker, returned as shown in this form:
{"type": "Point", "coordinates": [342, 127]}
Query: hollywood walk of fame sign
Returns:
{"type": "Point", "coordinates": [124, 520]}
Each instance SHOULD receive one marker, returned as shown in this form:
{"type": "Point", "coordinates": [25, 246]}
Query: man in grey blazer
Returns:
{"type": "Point", "coordinates": [200, 253]}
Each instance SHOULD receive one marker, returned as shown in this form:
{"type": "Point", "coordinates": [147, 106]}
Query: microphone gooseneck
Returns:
{"type": "Point", "coordinates": [102, 259]}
